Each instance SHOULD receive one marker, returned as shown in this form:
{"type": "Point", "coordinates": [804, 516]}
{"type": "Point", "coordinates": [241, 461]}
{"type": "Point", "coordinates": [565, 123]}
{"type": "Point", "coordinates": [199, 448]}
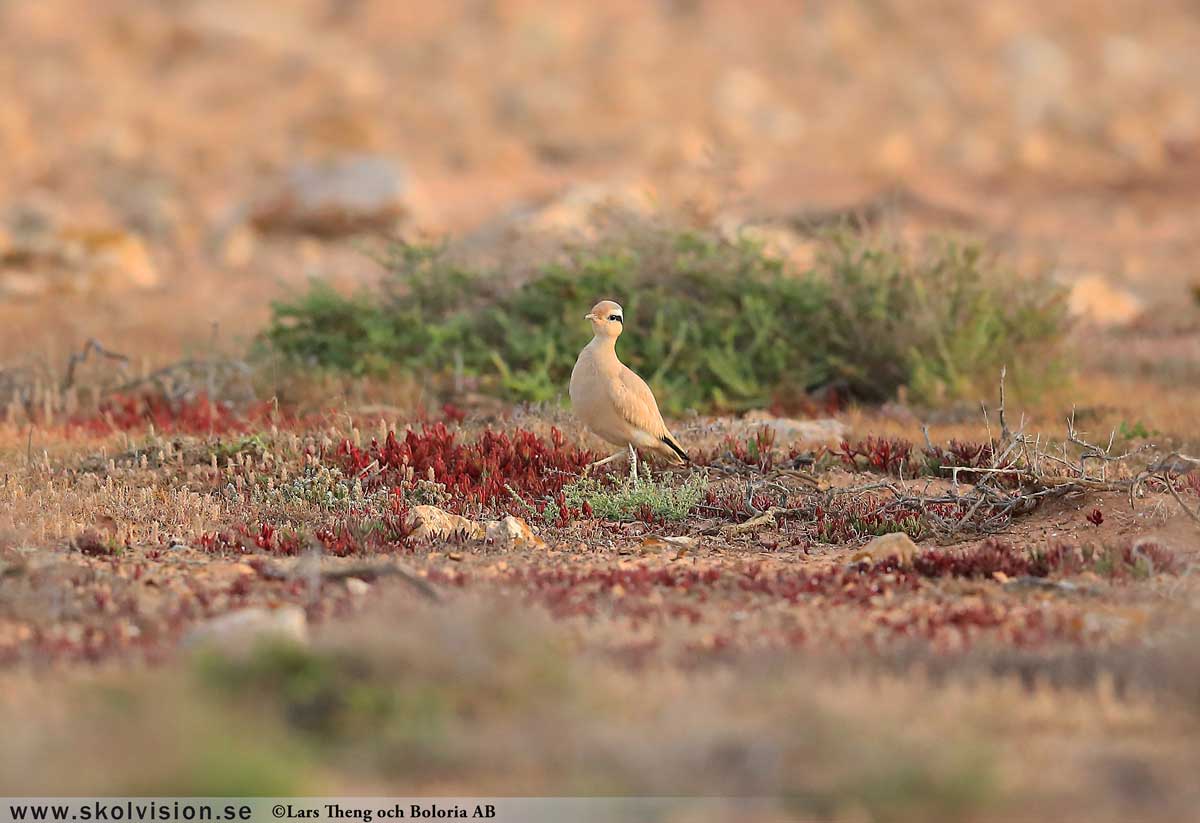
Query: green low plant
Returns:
{"type": "Point", "coordinates": [629, 500]}
{"type": "Point", "coordinates": [322, 486]}
{"type": "Point", "coordinates": [226, 450]}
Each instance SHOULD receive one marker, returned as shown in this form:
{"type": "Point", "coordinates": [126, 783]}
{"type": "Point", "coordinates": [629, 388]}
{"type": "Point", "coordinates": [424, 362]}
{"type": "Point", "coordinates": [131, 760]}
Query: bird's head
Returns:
{"type": "Point", "coordinates": [607, 318]}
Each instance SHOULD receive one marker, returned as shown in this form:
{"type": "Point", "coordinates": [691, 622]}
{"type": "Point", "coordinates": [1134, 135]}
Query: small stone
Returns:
{"type": "Point", "coordinates": [896, 153]}
{"type": "Point", "coordinates": [897, 544]}
{"type": "Point", "coordinates": [1095, 300]}
{"type": "Point", "coordinates": [543, 231]}
{"type": "Point", "coordinates": [237, 246]}
{"type": "Point", "coordinates": [42, 261]}
{"type": "Point", "coordinates": [748, 107]}
{"type": "Point", "coordinates": [432, 523]}
{"type": "Point", "coordinates": [116, 260]}
{"type": "Point", "coordinates": [575, 211]}
{"type": "Point", "coordinates": [678, 546]}
{"type": "Point", "coordinates": [823, 431]}
{"type": "Point", "coordinates": [239, 630]}
{"type": "Point", "coordinates": [342, 195]}
{"type": "Point", "coordinates": [513, 532]}
{"type": "Point", "coordinates": [21, 284]}
{"type": "Point", "coordinates": [229, 572]}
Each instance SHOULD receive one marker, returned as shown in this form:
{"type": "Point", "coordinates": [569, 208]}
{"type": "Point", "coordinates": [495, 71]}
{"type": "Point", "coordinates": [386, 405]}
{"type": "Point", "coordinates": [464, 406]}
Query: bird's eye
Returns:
{"type": "Point", "coordinates": [616, 317]}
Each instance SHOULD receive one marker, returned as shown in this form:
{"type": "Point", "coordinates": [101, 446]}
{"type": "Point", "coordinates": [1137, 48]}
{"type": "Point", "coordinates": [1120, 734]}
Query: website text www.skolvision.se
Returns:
{"type": "Point", "coordinates": [150, 811]}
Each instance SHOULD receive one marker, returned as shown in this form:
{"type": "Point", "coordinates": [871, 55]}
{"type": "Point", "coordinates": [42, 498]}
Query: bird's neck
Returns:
{"type": "Point", "coordinates": [605, 346]}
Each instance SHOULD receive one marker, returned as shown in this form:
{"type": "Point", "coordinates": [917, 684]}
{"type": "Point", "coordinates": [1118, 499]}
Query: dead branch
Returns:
{"type": "Point", "coordinates": [177, 380]}
{"type": "Point", "coordinates": [1175, 493]}
{"type": "Point", "coordinates": [1004, 433]}
{"type": "Point", "coordinates": [1025, 471]}
{"type": "Point", "coordinates": [92, 345]}
{"type": "Point", "coordinates": [1090, 451]}
{"type": "Point", "coordinates": [364, 571]}
{"type": "Point", "coordinates": [766, 518]}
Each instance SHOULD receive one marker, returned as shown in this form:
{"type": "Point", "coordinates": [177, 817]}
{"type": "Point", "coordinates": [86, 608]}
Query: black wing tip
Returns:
{"type": "Point", "coordinates": [675, 448]}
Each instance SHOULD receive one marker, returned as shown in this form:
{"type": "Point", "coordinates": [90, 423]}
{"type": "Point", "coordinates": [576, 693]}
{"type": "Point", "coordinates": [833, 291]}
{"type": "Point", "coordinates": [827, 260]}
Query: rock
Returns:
{"type": "Point", "coordinates": [542, 231]}
{"type": "Point", "coordinates": [229, 572]}
{"type": "Point", "coordinates": [896, 152]}
{"type": "Point", "coordinates": [22, 284]}
{"type": "Point", "coordinates": [823, 431]}
{"type": "Point", "coordinates": [897, 544]}
{"type": "Point", "coordinates": [748, 107]}
{"type": "Point", "coordinates": [240, 630]}
{"type": "Point", "coordinates": [576, 210]}
{"type": "Point", "coordinates": [680, 546]}
{"type": "Point", "coordinates": [356, 587]}
{"type": "Point", "coordinates": [767, 518]}
{"type": "Point", "coordinates": [75, 260]}
{"type": "Point", "coordinates": [432, 523]}
{"type": "Point", "coordinates": [236, 247]}
{"type": "Point", "coordinates": [112, 259]}
{"type": "Point", "coordinates": [1042, 78]}
{"type": "Point", "coordinates": [514, 533]}
{"type": "Point", "coordinates": [342, 195]}
{"type": "Point", "coordinates": [1096, 300]}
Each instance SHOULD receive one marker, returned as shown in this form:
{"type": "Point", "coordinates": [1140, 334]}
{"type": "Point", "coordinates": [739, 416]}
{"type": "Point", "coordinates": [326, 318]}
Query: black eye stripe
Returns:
{"type": "Point", "coordinates": [616, 317]}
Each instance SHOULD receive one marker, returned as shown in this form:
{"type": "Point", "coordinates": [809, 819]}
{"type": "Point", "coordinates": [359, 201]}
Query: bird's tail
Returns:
{"type": "Point", "coordinates": [675, 447]}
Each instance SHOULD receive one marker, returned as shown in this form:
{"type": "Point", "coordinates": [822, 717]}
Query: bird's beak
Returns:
{"type": "Point", "coordinates": [589, 316]}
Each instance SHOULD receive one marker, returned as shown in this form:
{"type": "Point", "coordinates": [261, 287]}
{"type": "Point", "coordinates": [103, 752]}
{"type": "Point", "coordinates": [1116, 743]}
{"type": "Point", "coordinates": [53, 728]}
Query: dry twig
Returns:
{"type": "Point", "coordinates": [92, 345]}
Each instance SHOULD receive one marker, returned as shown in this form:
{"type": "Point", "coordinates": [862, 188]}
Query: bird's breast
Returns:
{"type": "Point", "coordinates": [592, 401]}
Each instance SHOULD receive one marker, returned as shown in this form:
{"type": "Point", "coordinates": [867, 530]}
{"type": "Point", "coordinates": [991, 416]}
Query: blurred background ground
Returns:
{"type": "Point", "coordinates": [162, 155]}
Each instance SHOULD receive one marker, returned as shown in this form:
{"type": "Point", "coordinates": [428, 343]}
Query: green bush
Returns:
{"type": "Point", "coordinates": [711, 324]}
{"type": "Point", "coordinates": [942, 323]}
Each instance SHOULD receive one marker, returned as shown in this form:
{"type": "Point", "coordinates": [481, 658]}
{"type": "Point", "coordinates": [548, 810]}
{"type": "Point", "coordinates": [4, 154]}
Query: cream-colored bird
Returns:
{"type": "Point", "coordinates": [614, 402]}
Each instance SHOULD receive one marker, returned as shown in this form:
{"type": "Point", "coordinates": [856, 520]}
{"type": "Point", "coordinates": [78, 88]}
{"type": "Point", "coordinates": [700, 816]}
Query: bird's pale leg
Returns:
{"type": "Point", "coordinates": [616, 456]}
{"type": "Point", "coordinates": [633, 460]}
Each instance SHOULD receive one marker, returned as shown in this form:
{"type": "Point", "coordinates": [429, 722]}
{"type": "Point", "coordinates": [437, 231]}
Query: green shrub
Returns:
{"type": "Point", "coordinates": [942, 323]}
{"type": "Point", "coordinates": [418, 321]}
{"type": "Point", "coordinates": [712, 324]}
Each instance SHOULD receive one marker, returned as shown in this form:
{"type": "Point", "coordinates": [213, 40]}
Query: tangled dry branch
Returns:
{"type": "Point", "coordinates": [36, 392]}
{"type": "Point", "coordinates": [1023, 471]}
